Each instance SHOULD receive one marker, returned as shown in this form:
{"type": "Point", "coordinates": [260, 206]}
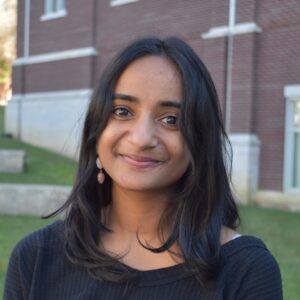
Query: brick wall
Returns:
{"type": "Point", "coordinates": [263, 63]}
{"type": "Point", "coordinates": [69, 32]}
{"type": "Point", "coordinates": [277, 64]}
{"type": "Point", "coordinates": [118, 25]}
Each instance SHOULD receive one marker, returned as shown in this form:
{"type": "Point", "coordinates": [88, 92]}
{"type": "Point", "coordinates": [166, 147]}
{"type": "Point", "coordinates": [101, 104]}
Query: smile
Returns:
{"type": "Point", "coordinates": [140, 161]}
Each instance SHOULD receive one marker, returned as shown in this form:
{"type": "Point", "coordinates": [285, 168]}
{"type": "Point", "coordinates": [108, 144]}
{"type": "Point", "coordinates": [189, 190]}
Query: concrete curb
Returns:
{"type": "Point", "coordinates": [32, 199]}
{"type": "Point", "coordinates": [277, 200]}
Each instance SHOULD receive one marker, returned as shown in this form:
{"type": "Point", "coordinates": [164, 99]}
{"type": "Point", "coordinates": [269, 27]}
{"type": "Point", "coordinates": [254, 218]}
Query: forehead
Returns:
{"type": "Point", "coordinates": [153, 76]}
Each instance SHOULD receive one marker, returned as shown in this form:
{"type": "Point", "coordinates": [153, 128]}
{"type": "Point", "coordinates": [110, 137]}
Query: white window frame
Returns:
{"type": "Point", "coordinates": [54, 13]}
{"type": "Point", "coordinates": [292, 96]}
{"type": "Point", "coordinates": [121, 2]}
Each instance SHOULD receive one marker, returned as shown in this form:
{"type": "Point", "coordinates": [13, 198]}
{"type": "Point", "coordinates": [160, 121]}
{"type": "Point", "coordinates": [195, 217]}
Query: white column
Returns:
{"type": "Point", "coordinates": [245, 165]}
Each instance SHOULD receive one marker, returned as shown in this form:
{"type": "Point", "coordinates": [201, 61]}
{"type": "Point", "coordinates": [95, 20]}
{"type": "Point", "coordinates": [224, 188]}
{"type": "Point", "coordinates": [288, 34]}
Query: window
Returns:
{"type": "Point", "coordinates": [296, 154]}
{"type": "Point", "coordinates": [292, 139]}
{"type": "Point", "coordinates": [53, 9]}
{"type": "Point", "coordinates": [121, 2]}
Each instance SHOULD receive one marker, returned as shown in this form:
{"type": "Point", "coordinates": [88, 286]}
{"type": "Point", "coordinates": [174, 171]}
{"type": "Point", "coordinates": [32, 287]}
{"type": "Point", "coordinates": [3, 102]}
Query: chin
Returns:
{"type": "Point", "coordinates": [139, 186]}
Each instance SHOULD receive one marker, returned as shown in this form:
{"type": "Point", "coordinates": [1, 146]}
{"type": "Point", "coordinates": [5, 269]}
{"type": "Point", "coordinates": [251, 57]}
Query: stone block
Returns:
{"type": "Point", "coordinates": [32, 199]}
{"type": "Point", "coordinates": [12, 161]}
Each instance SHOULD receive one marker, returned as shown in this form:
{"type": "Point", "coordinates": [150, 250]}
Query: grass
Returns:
{"type": "Point", "coordinates": [42, 166]}
{"type": "Point", "coordinates": [12, 229]}
{"type": "Point", "coordinates": [278, 229]}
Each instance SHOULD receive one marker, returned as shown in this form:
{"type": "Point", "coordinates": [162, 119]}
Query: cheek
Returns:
{"type": "Point", "coordinates": [107, 139]}
{"type": "Point", "coordinates": [103, 149]}
{"type": "Point", "coordinates": [182, 148]}
{"type": "Point", "coordinates": [181, 154]}
{"type": "Point", "coordinates": [185, 160]}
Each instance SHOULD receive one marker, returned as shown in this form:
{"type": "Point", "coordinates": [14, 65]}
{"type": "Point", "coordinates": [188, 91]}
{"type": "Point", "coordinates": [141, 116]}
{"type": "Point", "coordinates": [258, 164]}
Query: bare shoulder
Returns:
{"type": "Point", "coordinates": [227, 234]}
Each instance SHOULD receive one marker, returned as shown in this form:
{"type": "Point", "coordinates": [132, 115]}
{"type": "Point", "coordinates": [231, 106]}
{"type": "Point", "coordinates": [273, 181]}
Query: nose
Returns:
{"type": "Point", "coordinates": [143, 133]}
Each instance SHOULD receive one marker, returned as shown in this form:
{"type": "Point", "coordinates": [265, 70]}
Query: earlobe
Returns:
{"type": "Point", "coordinates": [101, 175]}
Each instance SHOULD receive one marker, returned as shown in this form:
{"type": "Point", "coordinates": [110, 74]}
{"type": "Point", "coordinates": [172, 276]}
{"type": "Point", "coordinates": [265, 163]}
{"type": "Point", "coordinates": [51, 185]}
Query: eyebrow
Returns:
{"type": "Point", "coordinates": [162, 103]}
{"type": "Point", "coordinates": [125, 97]}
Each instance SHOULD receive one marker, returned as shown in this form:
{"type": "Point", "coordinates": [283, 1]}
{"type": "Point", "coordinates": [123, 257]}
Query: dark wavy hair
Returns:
{"type": "Point", "coordinates": [203, 200]}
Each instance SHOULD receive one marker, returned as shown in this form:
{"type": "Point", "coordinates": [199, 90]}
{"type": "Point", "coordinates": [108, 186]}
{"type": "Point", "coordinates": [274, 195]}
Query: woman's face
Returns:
{"type": "Point", "coordinates": [141, 147]}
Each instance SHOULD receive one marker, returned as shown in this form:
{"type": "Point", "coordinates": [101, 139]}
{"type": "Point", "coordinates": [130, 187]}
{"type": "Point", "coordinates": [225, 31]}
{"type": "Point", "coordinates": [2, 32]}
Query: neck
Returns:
{"type": "Point", "coordinates": [134, 212]}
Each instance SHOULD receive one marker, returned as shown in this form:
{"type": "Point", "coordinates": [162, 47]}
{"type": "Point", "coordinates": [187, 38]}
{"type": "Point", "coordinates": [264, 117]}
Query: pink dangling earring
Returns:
{"type": "Point", "coordinates": [101, 175]}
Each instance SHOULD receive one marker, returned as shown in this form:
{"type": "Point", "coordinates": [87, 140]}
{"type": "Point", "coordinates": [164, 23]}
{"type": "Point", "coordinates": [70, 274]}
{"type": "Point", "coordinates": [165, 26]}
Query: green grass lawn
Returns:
{"type": "Point", "coordinates": [13, 229]}
{"type": "Point", "coordinates": [278, 229]}
{"type": "Point", "coordinates": [42, 166]}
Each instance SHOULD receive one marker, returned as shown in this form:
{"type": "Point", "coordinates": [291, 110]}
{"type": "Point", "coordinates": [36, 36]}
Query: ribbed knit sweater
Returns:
{"type": "Point", "coordinates": [39, 270]}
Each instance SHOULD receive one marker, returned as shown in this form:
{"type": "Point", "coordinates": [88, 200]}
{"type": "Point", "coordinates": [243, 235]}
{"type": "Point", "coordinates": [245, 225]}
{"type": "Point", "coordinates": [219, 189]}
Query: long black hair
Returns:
{"type": "Point", "coordinates": [203, 201]}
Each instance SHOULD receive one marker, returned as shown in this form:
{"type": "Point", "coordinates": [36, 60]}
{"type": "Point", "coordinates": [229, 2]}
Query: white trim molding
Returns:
{"type": "Point", "coordinates": [221, 31]}
{"type": "Point", "coordinates": [54, 56]}
{"type": "Point", "coordinates": [44, 96]}
{"type": "Point", "coordinates": [121, 2]}
{"type": "Point", "coordinates": [292, 91]}
{"type": "Point", "coordinates": [53, 15]}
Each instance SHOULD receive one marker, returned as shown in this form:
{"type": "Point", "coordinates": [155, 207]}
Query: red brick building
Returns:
{"type": "Point", "coordinates": [63, 45]}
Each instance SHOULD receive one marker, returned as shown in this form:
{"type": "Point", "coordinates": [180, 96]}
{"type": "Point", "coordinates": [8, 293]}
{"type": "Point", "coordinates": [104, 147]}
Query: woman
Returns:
{"type": "Point", "coordinates": [151, 214]}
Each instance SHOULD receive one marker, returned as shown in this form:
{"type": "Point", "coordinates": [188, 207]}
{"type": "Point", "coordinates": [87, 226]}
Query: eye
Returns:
{"type": "Point", "coordinates": [170, 120]}
{"type": "Point", "coordinates": [121, 112]}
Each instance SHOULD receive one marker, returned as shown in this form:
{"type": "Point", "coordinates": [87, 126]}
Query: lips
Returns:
{"type": "Point", "coordinates": [140, 161]}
